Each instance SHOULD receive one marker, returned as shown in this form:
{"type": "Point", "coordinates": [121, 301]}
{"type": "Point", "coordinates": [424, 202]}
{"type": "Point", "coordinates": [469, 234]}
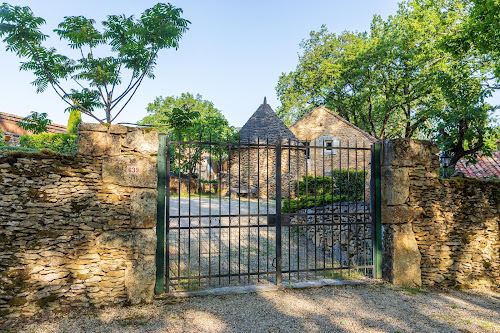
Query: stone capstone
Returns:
{"type": "Point", "coordinates": [98, 144]}
{"type": "Point", "coordinates": [142, 141]}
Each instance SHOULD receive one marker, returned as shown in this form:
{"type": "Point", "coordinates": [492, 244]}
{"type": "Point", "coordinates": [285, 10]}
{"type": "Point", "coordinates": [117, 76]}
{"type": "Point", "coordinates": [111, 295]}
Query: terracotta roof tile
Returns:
{"type": "Point", "coordinates": [485, 167]}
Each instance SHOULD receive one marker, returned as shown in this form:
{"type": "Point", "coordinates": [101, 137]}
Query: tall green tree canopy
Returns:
{"type": "Point", "coordinates": [390, 81]}
{"type": "Point", "coordinates": [91, 82]}
{"type": "Point", "coordinates": [187, 116]}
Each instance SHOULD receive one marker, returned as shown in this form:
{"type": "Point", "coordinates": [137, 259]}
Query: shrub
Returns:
{"type": "Point", "coordinates": [9, 148]}
{"type": "Point", "coordinates": [75, 118]}
{"type": "Point", "coordinates": [61, 143]}
{"type": "Point", "coordinates": [346, 182]}
{"type": "Point", "coordinates": [293, 205]}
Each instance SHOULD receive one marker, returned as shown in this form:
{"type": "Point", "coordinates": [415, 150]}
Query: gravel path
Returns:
{"type": "Point", "coordinates": [365, 308]}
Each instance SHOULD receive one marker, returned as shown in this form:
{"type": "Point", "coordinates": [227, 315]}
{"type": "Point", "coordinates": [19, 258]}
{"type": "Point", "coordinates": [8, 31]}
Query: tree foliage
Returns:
{"type": "Point", "coordinates": [75, 118]}
{"type": "Point", "coordinates": [190, 118]}
{"type": "Point", "coordinates": [400, 79]}
{"type": "Point", "coordinates": [35, 122]}
{"type": "Point", "coordinates": [135, 44]}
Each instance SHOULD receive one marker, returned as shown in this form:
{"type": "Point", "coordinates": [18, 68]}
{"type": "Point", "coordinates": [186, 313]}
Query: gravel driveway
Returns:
{"type": "Point", "coordinates": [364, 308]}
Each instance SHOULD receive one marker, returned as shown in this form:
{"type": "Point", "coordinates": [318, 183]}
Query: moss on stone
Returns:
{"type": "Point", "coordinates": [76, 207]}
{"type": "Point", "coordinates": [17, 301]}
{"type": "Point", "coordinates": [44, 302]}
{"type": "Point", "coordinates": [47, 234]}
{"type": "Point", "coordinates": [37, 195]}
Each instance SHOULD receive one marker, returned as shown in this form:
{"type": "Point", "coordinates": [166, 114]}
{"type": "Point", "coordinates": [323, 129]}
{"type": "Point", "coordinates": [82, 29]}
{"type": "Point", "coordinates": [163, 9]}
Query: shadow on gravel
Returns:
{"type": "Point", "coordinates": [375, 308]}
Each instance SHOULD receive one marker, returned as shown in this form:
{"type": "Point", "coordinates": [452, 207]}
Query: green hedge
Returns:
{"type": "Point", "coordinates": [61, 143]}
{"type": "Point", "coordinates": [293, 205]}
{"type": "Point", "coordinates": [9, 148]}
{"type": "Point", "coordinates": [349, 182]}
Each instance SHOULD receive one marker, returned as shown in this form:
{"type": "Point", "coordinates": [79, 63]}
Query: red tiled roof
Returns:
{"type": "Point", "coordinates": [8, 125]}
{"type": "Point", "coordinates": [485, 167]}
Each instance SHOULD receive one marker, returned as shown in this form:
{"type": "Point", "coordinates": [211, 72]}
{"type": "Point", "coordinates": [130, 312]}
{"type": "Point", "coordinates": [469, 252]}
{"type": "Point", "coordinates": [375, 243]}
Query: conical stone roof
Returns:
{"type": "Point", "coordinates": [264, 124]}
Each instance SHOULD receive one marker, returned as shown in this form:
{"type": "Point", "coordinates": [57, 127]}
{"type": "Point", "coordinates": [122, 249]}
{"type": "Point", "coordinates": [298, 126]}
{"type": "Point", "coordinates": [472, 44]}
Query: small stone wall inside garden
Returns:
{"type": "Point", "coordinates": [78, 230]}
{"type": "Point", "coordinates": [348, 237]}
{"type": "Point", "coordinates": [437, 232]}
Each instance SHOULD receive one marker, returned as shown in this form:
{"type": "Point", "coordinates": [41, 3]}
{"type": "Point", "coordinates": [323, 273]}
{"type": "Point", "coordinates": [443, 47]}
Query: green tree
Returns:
{"type": "Point", "coordinates": [391, 82]}
{"type": "Point", "coordinates": [491, 138]}
{"type": "Point", "coordinates": [461, 127]}
{"type": "Point", "coordinates": [35, 122]}
{"type": "Point", "coordinates": [75, 118]}
{"type": "Point", "coordinates": [188, 117]}
{"type": "Point", "coordinates": [135, 44]}
{"type": "Point", "coordinates": [478, 36]}
{"type": "Point", "coordinates": [382, 81]}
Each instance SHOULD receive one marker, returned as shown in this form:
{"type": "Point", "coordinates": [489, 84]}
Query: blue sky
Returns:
{"type": "Point", "coordinates": [233, 53]}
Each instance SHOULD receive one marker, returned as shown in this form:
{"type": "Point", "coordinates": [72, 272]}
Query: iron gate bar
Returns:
{"type": "Point", "coordinates": [264, 272]}
{"type": "Point", "coordinates": [257, 225]}
{"type": "Point", "coordinates": [161, 209]}
{"type": "Point", "coordinates": [278, 211]}
{"type": "Point", "coordinates": [250, 144]}
{"type": "Point", "coordinates": [377, 211]}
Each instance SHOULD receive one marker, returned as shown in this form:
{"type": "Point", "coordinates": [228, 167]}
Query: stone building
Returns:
{"type": "Point", "coordinates": [252, 163]}
{"type": "Point", "coordinates": [323, 132]}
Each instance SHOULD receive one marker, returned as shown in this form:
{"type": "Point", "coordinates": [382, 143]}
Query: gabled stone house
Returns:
{"type": "Point", "coordinates": [328, 131]}
{"type": "Point", "coordinates": [252, 166]}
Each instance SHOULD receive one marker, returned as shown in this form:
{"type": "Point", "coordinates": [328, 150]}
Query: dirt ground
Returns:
{"type": "Point", "coordinates": [364, 308]}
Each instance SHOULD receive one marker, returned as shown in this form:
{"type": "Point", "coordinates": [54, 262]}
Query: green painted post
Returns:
{"type": "Point", "coordinates": [160, 214]}
{"type": "Point", "coordinates": [377, 188]}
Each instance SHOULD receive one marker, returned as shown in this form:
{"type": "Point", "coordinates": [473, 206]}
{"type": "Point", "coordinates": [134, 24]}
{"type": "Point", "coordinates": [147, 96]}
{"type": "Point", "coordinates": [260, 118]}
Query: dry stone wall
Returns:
{"type": "Point", "coordinates": [341, 229]}
{"type": "Point", "coordinates": [442, 232]}
{"type": "Point", "coordinates": [79, 230]}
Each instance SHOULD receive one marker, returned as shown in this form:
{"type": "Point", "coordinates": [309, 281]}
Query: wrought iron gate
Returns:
{"type": "Point", "coordinates": [232, 213]}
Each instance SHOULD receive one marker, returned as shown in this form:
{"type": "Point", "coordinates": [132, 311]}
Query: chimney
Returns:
{"type": "Point", "coordinates": [498, 144]}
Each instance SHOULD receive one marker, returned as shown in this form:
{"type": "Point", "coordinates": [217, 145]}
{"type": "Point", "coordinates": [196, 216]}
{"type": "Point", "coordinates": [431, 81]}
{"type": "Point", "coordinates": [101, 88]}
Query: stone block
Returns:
{"type": "Point", "coordinates": [118, 129]}
{"type": "Point", "coordinates": [143, 141]}
{"type": "Point", "coordinates": [143, 208]}
{"type": "Point", "coordinates": [140, 279]}
{"type": "Point", "coordinates": [395, 186]}
{"type": "Point", "coordinates": [98, 144]}
{"type": "Point", "coordinates": [401, 256]}
{"type": "Point", "coordinates": [91, 127]}
{"type": "Point", "coordinates": [400, 214]}
{"type": "Point", "coordinates": [133, 171]}
{"type": "Point", "coordinates": [141, 241]}
{"type": "Point", "coordinates": [406, 152]}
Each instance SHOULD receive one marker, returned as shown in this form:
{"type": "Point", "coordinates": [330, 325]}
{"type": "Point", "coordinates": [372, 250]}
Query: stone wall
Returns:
{"type": "Point", "coordinates": [78, 230]}
{"type": "Point", "coordinates": [254, 170]}
{"type": "Point", "coordinates": [442, 232]}
{"type": "Point", "coordinates": [349, 235]}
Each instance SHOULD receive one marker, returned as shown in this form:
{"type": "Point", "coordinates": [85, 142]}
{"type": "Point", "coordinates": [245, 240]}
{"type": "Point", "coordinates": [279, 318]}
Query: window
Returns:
{"type": "Point", "coordinates": [329, 143]}
{"type": "Point", "coordinates": [307, 145]}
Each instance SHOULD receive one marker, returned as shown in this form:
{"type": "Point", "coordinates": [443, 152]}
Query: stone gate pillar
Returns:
{"type": "Point", "coordinates": [127, 157]}
{"type": "Point", "coordinates": [403, 160]}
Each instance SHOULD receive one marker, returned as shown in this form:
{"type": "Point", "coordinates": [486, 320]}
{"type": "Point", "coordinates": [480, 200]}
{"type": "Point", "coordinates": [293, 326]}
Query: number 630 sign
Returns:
{"type": "Point", "coordinates": [133, 169]}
